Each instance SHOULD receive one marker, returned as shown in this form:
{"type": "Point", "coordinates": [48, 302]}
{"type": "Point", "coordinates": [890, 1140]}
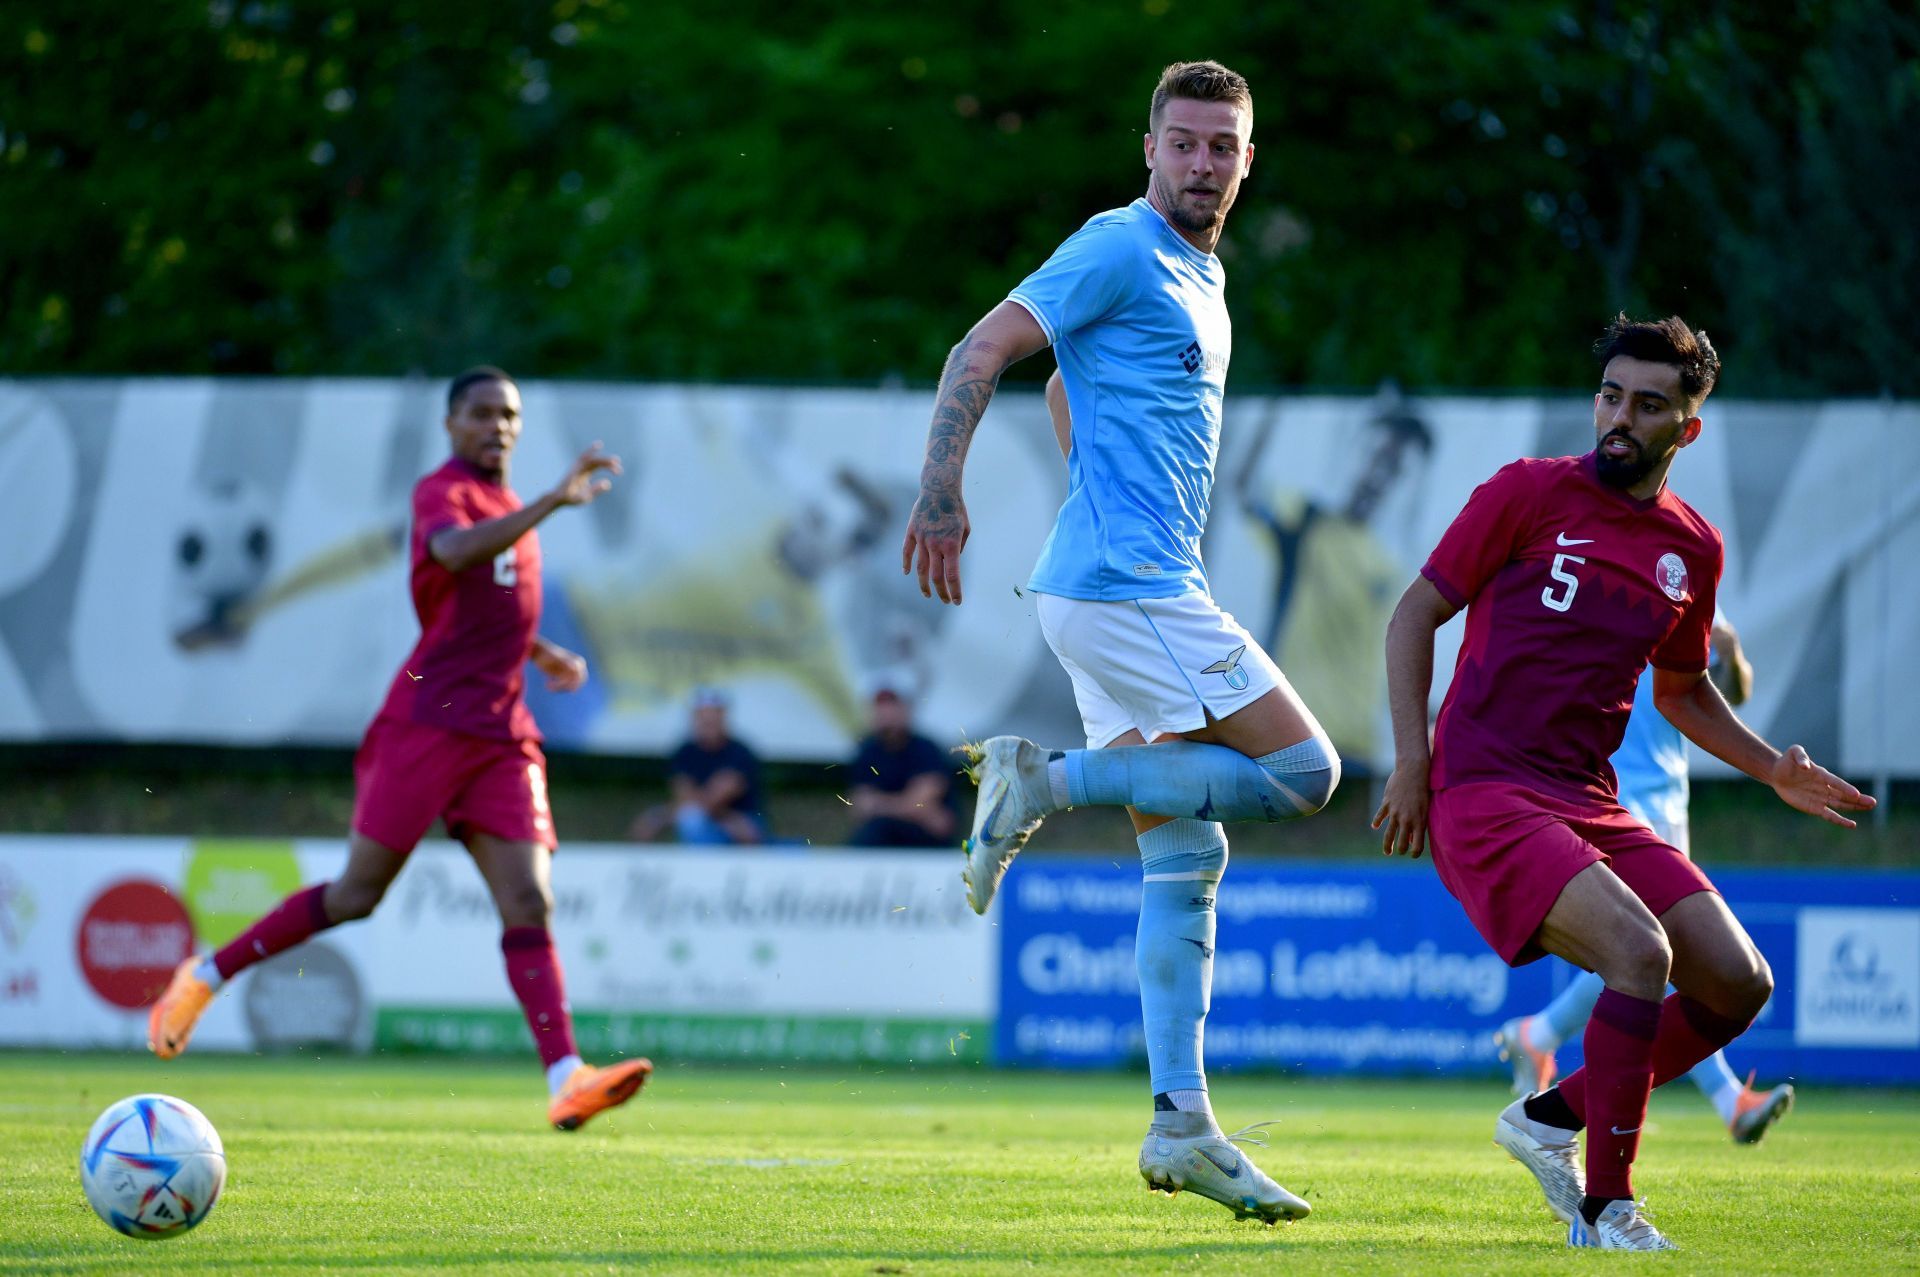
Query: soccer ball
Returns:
{"type": "Point", "coordinates": [152, 1166]}
{"type": "Point", "coordinates": [221, 556]}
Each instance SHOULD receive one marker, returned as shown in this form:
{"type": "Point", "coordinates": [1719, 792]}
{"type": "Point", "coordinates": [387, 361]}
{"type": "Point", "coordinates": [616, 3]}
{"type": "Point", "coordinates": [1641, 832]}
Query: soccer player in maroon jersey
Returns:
{"type": "Point", "coordinates": [1576, 573]}
{"type": "Point", "coordinates": [455, 741]}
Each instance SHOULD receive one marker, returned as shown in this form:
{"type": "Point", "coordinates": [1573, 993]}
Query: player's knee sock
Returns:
{"type": "Point", "coordinates": [533, 969]}
{"type": "Point", "coordinates": [1567, 1014]}
{"type": "Point", "coordinates": [1617, 1080]}
{"type": "Point", "coordinates": [1719, 1083]}
{"type": "Point", "coordinates": [1205, 782]}
{"type": "Point", "coordinates": [300, 915]}
{"type": "Point", "coordinates": [1691, 1035]}
{"type": "Point", "coordinates": [1181, 863]}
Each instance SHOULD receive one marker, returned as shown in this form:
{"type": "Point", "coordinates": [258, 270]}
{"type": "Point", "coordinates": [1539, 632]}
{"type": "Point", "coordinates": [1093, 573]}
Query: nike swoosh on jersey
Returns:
{"type": "Point", "coordinates": [1564, 539]}
{"type": "Point", "coordinates": [1629, 1131]}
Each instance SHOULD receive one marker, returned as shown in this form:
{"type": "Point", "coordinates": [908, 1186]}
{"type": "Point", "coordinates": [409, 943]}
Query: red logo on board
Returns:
{"type": "Point", "coordinates": [131, 938]}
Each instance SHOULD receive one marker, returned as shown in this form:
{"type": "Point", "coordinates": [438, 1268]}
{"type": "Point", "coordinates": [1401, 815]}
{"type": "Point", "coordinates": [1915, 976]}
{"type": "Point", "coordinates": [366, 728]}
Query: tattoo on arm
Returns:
{"type": "Point", "coordinates": [966, 387]}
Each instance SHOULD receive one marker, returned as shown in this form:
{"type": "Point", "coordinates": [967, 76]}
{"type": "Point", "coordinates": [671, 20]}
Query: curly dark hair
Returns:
{"type": "Point", "coordinates": [1663, 341]}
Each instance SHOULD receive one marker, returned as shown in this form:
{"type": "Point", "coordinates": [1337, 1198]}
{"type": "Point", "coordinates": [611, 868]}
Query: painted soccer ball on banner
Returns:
{"type": "Point", "coordinates": [222, 553]}
{"type": "Point", "coordinates": [152, 1166]}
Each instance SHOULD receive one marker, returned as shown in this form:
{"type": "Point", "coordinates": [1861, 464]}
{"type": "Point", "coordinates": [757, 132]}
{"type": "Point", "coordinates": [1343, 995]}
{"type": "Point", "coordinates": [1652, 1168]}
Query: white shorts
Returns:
{"type": "Point", "coordinates": [1161, 666]}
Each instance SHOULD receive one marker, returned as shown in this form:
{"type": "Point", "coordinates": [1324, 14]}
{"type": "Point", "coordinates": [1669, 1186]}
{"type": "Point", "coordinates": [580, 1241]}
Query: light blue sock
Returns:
{"type": "Point", "coordinates": [1713, 1076]}
{"type": "Point", "coordinates": [1205, 782]}
{"type": "Point", "coordinates": [1566, 1015]}
{"type": "Point", "coordinates": [1181, 863]}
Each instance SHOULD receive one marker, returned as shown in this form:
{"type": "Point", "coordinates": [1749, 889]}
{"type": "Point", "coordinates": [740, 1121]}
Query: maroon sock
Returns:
{"type": "Point", "coordinates": [1689, 1032]}
{"type": "Point", "coordinates": [1610, 1093]}
{"type": "Point", "coordinates": [533, 969]}
{"type": "Point", "coordinates": [288, 923]}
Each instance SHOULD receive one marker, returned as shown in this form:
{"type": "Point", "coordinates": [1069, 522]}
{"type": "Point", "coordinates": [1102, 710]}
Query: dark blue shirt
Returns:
{"type": "Point", "coordinates": [892, 770]}
{"type": "Point", "coordinates": [700, 766]}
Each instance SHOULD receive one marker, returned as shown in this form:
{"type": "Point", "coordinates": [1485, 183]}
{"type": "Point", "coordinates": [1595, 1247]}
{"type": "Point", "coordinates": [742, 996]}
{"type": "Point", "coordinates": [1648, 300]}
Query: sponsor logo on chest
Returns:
{"type": "Point", "coordinates": [1194, 357]}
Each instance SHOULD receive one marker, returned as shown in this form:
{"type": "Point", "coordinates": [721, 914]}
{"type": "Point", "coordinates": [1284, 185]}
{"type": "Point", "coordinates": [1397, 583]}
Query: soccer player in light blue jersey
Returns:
{"type": "Point", "coordinates": [1651, 766]}
{"type": "Point", "coordinates": [1189, 723]}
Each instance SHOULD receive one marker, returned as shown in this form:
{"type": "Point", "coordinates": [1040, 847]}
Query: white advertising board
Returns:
{"type": "Point", "coordinates": [815, 954]}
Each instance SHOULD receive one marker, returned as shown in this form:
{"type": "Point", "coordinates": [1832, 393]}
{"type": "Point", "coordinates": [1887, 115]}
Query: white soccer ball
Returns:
{"type": "Point", "coordinates": [152, 1166]}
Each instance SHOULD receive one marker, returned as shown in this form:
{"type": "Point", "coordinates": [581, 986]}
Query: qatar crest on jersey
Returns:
{"type": "Point", "coordinates": [1671, 575]}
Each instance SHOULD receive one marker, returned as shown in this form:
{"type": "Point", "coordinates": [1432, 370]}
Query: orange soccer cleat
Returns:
{"type": "Point", "coordinates": [170, 1022]}
{"type": "Point", "coordinates": [591, 1091]}
{"type": "Point", "coordinates": [1754, 1112]}
{"type": "Point", "coordinates": [1533, 1070]}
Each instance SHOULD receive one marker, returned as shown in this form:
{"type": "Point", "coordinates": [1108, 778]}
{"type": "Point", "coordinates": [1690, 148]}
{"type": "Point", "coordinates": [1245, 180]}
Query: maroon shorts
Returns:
{"type": "Point", "coordinates": [406, 774]}
{"type": "Point", "coordinates": [1506, 852]}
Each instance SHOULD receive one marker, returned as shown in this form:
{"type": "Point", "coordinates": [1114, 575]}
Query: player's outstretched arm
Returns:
{"type": "Point", "coordinates": [1693, 704]}
{"type": "Point", "coordinates": [1403, 810]}
{"type": "Point", "coordinates": [457, 549]}
{"type": "Point", "coordinates": [566, 671]}
{"type": "Point", "coordinates": [937, 530]}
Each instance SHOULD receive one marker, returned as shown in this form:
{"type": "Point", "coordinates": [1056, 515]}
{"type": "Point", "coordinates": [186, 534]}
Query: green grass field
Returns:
{"type": "Point", "coordinates": [424, 1164]}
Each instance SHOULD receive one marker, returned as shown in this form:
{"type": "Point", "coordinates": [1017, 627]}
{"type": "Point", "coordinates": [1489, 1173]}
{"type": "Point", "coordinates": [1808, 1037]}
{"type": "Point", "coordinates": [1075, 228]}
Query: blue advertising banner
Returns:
{"type": "Point", "coordinates": [1338, 968]}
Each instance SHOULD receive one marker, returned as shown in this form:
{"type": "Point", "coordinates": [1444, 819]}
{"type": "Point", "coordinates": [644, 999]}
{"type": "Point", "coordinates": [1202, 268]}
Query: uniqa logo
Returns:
{"type": "Point", "coordinates": [1855, 959]}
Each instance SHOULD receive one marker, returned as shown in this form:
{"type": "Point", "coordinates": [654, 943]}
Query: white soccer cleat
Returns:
{"type": "Point", "coordinates": [1212, 1167]}
{"type": "Point", "coordinates": [1012, 801]}
{"type": "Point", "coordinates": [1532, 1070]}
{"type": "Point", "coordinates": [1552, 1154]}
{"type": "Point", "coordinates": [1623, 1225]}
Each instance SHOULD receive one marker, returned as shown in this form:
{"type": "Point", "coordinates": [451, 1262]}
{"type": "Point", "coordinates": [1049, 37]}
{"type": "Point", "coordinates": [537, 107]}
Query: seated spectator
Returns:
{"type": "Point", "coordinates": [902, 783]}
{"type": "Point", "coordinates": [716, 784]}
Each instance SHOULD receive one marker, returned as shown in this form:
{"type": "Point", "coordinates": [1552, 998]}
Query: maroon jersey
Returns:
{"type": "Point", "coordinates": [476, 627]}
{"type": "Point", "coordinates": [1571, 588]}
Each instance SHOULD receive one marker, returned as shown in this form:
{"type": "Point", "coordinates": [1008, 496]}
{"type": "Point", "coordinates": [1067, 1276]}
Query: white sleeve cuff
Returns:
{"type": "Point", "coordinates": [1032, 308]}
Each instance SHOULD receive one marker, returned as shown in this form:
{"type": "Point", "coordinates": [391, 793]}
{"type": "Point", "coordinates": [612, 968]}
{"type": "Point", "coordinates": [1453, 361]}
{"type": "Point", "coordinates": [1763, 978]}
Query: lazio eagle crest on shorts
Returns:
{"type": "Point", "coordinates": [1230, 669]}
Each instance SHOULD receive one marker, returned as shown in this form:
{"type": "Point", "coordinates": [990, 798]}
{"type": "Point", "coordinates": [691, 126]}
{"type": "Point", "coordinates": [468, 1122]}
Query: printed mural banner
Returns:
{"type": "Point", "coordinates": [221, 561]}
{"type": "Point", "coordinates": [815, 955]}
{"type": "Point", "coordinates": [1347, 969]}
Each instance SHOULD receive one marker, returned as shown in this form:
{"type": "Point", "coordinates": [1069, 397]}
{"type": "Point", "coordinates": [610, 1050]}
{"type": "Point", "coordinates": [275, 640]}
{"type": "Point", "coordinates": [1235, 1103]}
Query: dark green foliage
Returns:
{"type": "Point", "coordinates": [1457, 195]}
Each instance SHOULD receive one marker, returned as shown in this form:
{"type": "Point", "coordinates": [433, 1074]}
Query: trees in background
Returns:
{"type": "Point", "coordinates": [1456, 195]}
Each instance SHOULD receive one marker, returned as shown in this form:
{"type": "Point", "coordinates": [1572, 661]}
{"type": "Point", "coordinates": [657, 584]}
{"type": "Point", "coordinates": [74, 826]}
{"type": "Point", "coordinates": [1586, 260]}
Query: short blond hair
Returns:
{"type": "Point", "coordinates": [1201, 82]}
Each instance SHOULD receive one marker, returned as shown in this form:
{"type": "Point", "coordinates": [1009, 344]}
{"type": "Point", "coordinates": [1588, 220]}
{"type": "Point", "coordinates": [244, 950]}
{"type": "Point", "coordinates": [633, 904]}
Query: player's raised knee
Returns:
{"type": "Point", "coordinates": [1753, 987]}
{"type": "Point", "coordinates": [1641, 962]}
{"type": "Point", "coordinates": [1303, 778]}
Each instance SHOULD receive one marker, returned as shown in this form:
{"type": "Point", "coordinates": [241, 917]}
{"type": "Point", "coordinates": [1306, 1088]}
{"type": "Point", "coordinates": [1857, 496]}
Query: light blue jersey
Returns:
{"type": "Point", "coordinates": [1137, 318]}
{"type": "Point", "coordinates": [1651, 763]}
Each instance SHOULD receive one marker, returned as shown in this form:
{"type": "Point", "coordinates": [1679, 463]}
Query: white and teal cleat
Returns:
{"type": "Point", "coordinates": [1623, 1225]}
{"type": "Point", "coordinates": [1553, 1155]}
{"type": "Point", "coordinates": [1212, 1167]}
{"type": "Point", "coordinates": [1013, 799]}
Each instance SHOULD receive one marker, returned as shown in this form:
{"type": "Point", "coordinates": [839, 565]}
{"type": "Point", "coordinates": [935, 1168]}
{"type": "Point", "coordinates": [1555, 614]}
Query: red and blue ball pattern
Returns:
{"type": "Point", "coordinates": [152, 1166]}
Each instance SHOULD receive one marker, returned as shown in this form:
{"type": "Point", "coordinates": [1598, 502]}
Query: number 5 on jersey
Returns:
{"type": "Point", "coordinates": [1561, 602]}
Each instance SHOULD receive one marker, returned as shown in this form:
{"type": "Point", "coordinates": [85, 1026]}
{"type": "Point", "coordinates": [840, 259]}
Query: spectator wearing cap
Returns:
{"type": "Point", "coordinates": [716, 784]}
{"type": "Point", "coordinates": [902, 783]}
